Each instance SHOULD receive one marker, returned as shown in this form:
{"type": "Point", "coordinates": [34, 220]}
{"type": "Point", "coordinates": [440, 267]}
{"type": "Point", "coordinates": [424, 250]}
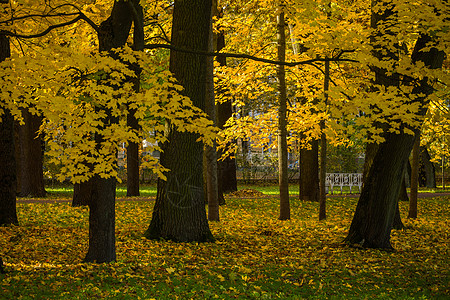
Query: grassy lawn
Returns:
{"type": "Point", "coordinates": [255, 255]}
{"type": "Point", "coordinates": [149, 190]}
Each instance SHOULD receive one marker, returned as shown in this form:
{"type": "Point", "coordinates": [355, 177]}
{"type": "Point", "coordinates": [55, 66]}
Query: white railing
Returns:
{"type": "Point", "coordinates": [343, 179]}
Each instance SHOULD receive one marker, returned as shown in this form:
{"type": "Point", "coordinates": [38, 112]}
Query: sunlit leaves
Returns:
{"type": "Point", "coordinates": [75, 92]}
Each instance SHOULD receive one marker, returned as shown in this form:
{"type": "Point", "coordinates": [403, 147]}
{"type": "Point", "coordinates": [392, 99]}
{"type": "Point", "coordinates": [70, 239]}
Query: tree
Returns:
{"type": "Point", "coordinates": [83, 105]}
{"type": "Point", "coordinates": [227, 180]}
{"type": "Point", "coordinates": [179, 212]}
{"type": "Point", "coordinates": [212, 188]}
{"type": "Point", "coordinates": [427, 172]}
{"type": "Point", "coordinates": [8, 214]}
{"type": "Point", "coordinates": [283, 181]}
{"type": "Point", "coordinates": [375, 212]}
{"type": "Point", "coordinates": [30, 155]}
{"type": "Point", "coordinates": [412, 212]}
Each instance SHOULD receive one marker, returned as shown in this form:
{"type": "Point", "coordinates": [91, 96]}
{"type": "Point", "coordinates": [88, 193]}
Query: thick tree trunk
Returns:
{"type": "Point", "coordinates": [179, 213]}
{"type": "Point", "coordinates": [102, 240]}
{"type": "Point", "coordinates": [309, 173]}
{"type": "Point", "coordinates": [8, 179]}
{"type": "Point", "coordinates": [30, 157]}
{"type": "Point", "coordinates": [375, 212]}
{"type": "Point", "coordinates": [82, 193]}
{"type": "Point", "coordinates": [283, 180]}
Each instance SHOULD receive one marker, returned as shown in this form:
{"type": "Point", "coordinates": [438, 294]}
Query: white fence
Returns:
{"type": "Point", "coordinates": [340, 180]}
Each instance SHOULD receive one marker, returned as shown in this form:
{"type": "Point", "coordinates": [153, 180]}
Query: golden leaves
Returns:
{"type": "Point", "coordinates": [255, 255]}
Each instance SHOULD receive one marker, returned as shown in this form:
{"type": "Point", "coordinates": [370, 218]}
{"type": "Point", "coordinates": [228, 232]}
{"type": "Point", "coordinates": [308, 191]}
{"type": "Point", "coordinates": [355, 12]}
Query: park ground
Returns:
{"type": "Point", "coordinates": [255, 256]}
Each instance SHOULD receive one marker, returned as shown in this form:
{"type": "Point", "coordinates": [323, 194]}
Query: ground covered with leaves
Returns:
{"type": "Point", "coordinates": [255, 255]}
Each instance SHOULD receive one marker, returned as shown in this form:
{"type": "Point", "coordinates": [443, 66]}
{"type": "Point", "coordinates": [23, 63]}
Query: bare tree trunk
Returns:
{"type": "Point", "coordinates": [309, 173]}
{"type": "Point", "coordinates": [323, 150]}
{"type": "Point", "coordinates": [412, 214]}
{"type": "Point", "coordinates": [30, 166]}
{"type": "Point", "coordinates": [82, 193]}
{"type": "Point", "coordinates": [227, 179]}
{"type": "Point", "coordinates": [212, 192]}
{"type": "Point", "coordinates": [285, 211]}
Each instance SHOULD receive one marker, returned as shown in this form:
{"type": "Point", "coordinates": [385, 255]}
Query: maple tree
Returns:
{"type": "Point", "coordinates": [82, 95]}
{"type": "Point", "coordinates": [373, 219]}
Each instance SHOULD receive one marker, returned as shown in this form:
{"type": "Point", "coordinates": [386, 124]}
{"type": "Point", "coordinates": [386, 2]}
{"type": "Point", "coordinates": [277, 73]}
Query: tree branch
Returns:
{"type": "Point", "coordinates": [251, 57]}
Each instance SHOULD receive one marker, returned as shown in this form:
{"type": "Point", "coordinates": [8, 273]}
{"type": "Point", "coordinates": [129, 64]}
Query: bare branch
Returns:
{"type": "Point", "coordinates": [251, 57]}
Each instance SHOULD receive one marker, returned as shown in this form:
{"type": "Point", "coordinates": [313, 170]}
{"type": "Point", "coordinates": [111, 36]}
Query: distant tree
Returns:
{"type": "Point", "coordinates": [30, 154]}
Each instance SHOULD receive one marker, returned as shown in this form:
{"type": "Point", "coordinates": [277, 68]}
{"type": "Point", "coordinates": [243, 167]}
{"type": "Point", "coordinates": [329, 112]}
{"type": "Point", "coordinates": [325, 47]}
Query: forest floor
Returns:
{"type": "Point", "coordinates": [255, 256]}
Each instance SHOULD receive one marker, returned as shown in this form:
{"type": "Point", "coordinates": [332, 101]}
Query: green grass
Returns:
{"type": "Point", "coordinates": [255, 255]}
{"type": "Point", "coordinates": [149, 190]}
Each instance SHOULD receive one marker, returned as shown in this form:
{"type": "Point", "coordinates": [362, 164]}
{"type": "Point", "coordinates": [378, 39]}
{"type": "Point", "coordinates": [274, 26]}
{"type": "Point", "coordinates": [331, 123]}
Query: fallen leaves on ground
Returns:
{"type": "Point", "coordinates": [255, 256]}
{"type": "Point", "coordinates": [246, 193]}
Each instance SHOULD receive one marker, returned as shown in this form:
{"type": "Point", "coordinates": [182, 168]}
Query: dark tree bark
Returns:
{"type": "Point", "coordinates": [427, 171]}
{"type": "Point", "coordinates": [30, 157]}
{"type": "Point", "coordinates": [283, 180]}
{"type": "Point", "coordinates": [374, 216]}
{"type": "Point", "coordinates": [227, 179]}
{"type": "Point", "coordinates": [102, 240]}
{"type": "Point", "coordinates": [212, 192]}
{"type": "Point", "coordinates": [133, 148]}
{"type": "Point", "coordinates": [323, 150]}
{"type": "Point", "coordinates": [309, 173]}
{"type": "Point", "coordinates": [179, 213]}
{"type": "Point", "coordinates": [132, 160]}
{"type": "Point", "coordinates": [82, 193]}
{"type": "Point", "coordinates": [412, 213]}
{"type": "Point", "coordinates": [113, 33]}
{"type": "Point", "coordinates": [8, 180]}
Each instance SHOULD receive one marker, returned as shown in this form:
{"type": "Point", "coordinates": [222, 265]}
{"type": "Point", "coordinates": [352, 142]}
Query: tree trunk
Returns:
{"type": "Point", "coordinates": [375, 212]}
{"type": "Point", "coordinates": [8, 179]}
{"type": "Point", "coordinates": [212, 192]}
{"type": "Point", "coordinates": [323, 149]}
{"type": "Point", "coordinates": [113, 33]}
{"type": "Point", "coordinates": [398, 224]}
{"type": "Point", "coordinates": [132, 161]}
{"type": "Point", "coordinates": [309, 173]}
{"type": "Point", "coordinates": [427, 171]}
{"type": "Point", "coordinates": [227, 179]}
{"type": "Point", "coordinates": [30, 157]}
{"type": "Point", "coordinates": [82, 193]}
{"type": "Point", "coordinates": [179, 213]}
{"type": "Point", "coordinates": [412, 213]}
{"type": "Point", "coordinates": [133, 147]}
{"type": "Point", "coordinates": [283, 180]}
{"type": "Point", "coordinates": [102, 240]}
